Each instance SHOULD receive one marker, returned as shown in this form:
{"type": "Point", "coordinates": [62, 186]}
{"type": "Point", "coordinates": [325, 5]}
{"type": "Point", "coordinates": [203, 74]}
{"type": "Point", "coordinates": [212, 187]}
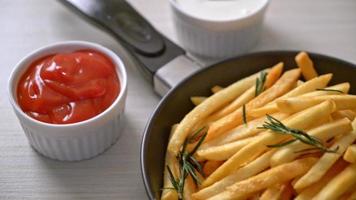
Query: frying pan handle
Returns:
{"type": "Point", "coordinates": [119, 18]}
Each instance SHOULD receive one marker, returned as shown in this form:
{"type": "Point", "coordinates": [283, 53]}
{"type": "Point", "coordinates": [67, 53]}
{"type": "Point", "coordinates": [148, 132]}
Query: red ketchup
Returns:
{"type": "Point", "coordinates": [69, 87]}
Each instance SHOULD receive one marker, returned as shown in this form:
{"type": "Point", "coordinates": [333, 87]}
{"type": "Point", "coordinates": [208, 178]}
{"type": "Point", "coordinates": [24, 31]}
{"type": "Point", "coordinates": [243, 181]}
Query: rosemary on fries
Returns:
{"type": "Point", "coordinates": [330, 90]}
{"type": "Point", "coordinates": [277, 126]}
{"type": "Point", "coordinates": [244, 118]}
{"type": "Point", "coordinates": [260, 83]}
{"type": "Point", "coordinates": [188, 165]}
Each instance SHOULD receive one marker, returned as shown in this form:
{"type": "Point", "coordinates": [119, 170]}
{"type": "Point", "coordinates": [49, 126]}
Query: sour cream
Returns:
{"type": "Point", "coordinates": [220, 9]}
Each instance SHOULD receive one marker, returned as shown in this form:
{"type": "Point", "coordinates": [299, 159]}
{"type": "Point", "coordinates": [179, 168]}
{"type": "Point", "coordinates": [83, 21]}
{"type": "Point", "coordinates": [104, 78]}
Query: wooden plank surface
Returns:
{"type": "Point", "coordinates": [324, 26]}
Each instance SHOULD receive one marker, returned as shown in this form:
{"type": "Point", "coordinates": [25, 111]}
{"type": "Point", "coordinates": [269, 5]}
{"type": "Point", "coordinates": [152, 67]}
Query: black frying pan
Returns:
{"type": "Point", "coordinates": [152, 50]}
{"type": "Point", "coordinates": [176, 103]}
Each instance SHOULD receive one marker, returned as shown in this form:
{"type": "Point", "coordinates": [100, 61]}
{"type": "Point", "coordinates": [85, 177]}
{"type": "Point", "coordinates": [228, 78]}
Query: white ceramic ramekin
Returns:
{"type": "Point", "coordinates": [217, 38]}
{"type": "Point", "coordinates": [77, 141]}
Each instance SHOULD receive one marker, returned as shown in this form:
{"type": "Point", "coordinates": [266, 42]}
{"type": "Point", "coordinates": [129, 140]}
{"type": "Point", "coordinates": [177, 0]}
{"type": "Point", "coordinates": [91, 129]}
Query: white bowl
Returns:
{"type": "Point", "coordinates": [217, 38]}
{"type": "Point", "coordinates": [76, 141]}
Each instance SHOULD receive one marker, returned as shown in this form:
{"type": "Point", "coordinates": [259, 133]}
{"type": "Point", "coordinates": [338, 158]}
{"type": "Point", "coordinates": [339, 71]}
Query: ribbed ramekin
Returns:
{"type": "Point", "coordinates": [217, 38]}
{"type": "Point", "coordinates": [76, 141]}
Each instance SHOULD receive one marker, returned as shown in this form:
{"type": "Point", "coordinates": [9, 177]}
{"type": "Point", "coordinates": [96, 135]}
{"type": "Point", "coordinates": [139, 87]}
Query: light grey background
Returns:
{"type": "Point", "coordinates": [324, 26]}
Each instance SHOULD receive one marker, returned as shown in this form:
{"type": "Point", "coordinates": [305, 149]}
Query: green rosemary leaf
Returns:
{"type": "Point", "coordinates": [331, 90]}
{"type": "Point", "coordinates": [244, 114]}
{"type": "Point", "coordinates": [188, 165]}
{"type": "Point", "coordinates": [197, 165]}
{"type": "Point", "coordinates": [277, 126]}
{"type": "Point", "coordinates": [191, 170]}
{"type": "Point", "coordinates": [172, 179]}
{"type": "Point", "coordinates": [195, 135]}
{"type": "Point", "coordinates": [198, 144]}
{"type": "Point", "coordinates": [260, 83]}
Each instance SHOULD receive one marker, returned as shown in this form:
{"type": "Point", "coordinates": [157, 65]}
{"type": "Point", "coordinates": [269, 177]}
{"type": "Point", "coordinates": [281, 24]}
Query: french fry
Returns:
{"type": "Point", "coordinates": [299, 83]}
{"type": "Point", "coordinates": [323, 132]}
{"type": "Point", "coordinates": [327, 160]}
{"type": "Point", "coordinates": [295, 104]}
{"type": "Point", "coordinates": [311, 85]}
{"type": "Point", "coordinates": [351, 115]}
{"type": "Point", "coordinates": [278, 192]}
{"type": "Point", "coordinates": [247, 171]}
{"type": "Point", "coordinates": [254, 197]}
{"type": "Point", "coordinates": [272, 193]}
{"type": "Point", "coordinates": [168, 194]}
{"type": "Point", "coordinates": [306, 65]}
{"type": "Point", "coordinates": [189, 188]}
{"type": "Point", "coordinates": [204, 109]}
{"type": "Point", "coordinates": [332, 90]}
{"type": "Point", "coordinates": [223, 152]}
{"type": "Point", "coordinates": [237, 103]}
{"type": "Point", "coordinates": [276, 175]}
{"type": "Point", "coordinates": [283, 85]}
{"type": "Point", "coordinates": [300, 120]}
{"type": "Point", "coordinates": [287, 192]}
{"type": "Point", "coordinates": [210, 166]}
{"type": "Point", "coordinates": [271, 78]}
{"type": "Point", "coordinates": [216, 89]}
{"type": "Point", "coordinates": [350, 154]}
{"type": "Point", "coordinates": [338, 185]}
{"type": "Point", "coordinates": [197, 100]}
{"type": "Point", "coordinates": [274, 74]}
{"type": "Point", "coordinates": [352, 196]}
{"type": "Point", "coordinates": [314, 189]}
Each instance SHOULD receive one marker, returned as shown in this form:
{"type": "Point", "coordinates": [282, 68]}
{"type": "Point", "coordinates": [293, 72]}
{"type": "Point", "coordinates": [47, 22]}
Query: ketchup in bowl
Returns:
{"type": "Point", "coordinates": [68, 87]}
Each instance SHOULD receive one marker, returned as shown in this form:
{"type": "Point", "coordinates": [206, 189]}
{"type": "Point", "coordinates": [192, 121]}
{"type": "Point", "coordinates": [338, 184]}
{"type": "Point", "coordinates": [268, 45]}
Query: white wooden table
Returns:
{"type": "Point", "coordinates": [324, 26]}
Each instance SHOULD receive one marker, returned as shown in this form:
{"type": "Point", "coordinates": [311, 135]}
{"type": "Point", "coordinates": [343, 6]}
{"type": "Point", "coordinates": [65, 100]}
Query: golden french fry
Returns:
{"type": "Point", "coordinates": [254, 197]}
{"type": "Point", "coordinates": [272, 193]}
{"type": "Point", "coordinates": [237, 103]}
{"type": "Point", "coordinates": [332, 90]}
{"type": "Point", "coordinates": [295, 104]}
{"type": "Point", "coordinates": [306, 65]}
{"type": "Point", "coordinates": [351, 115]}
{"type": "Point", "coordinates": [326, 161]}
{"type": "Point", "coordinates": [197, 100]}
{"type": "Point", "coordinates": [283, 85]}
{"type": "Point", "coordinates": [204, 109]}
{"type": "Point", "coordinates": [189, 188]}
{"type": "Point", "coordinates": [216, 89]}
{"type": "Point", "coordinates": [314, 189]}
{"type": "Point", "coordinates": [323, 132]}
{"type": "Point", "coordinates": [223, 152]}
{"type": "Point", "coordinates": [300, 120]}
{"type": "Point", "coordinates": [276, 175]}
{"type": "Point", "coordinates": [274, 74]}
{"type": "Point", "coordinates": [299, 83]}
{"type": "Point", "coordinates": [352, 196]}
{"type": "Point", "coordinates": [311, 85]}
{"type": "Point", "coordinates": [338, 185]}
{"type": "Point", "coordinates": [287, 192]}
{"type": "Point", "coordinates": [271, 78]}
{"type": "Point", "coordinates": [247, 171]}
{"type": "Point", "coordinates": [350, 154]}
{"type": "Point", "coordinates": [171, 161]}
{"type": "Point", "coordinates": [210, 166]}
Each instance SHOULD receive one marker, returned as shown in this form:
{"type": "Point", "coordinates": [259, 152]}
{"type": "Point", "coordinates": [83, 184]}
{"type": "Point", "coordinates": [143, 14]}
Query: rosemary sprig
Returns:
{"type": "Point", "coordinates": [188, 165]}
{"type": "Point", "coordinates": [177, 183]}
{"type": "Point", "coordinates": [244, 114]}
{"type": "Point", "coordinates": [260, 83]}
{"type": "Point", "coordinates": [331, 90]}
{"type": "Point", "coordinates": [277, 126]}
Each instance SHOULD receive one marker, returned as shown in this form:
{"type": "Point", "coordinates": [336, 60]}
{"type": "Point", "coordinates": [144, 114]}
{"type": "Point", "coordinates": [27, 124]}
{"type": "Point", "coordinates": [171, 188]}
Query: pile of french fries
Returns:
{"type": "Point", "coordinates": [236, 155]}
